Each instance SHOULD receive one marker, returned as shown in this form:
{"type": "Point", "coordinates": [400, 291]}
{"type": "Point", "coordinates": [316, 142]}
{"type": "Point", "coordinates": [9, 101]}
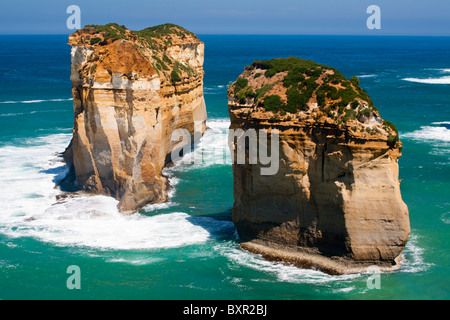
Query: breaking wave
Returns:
{"type": "Point", "coordinates": [439, 131]}
{"type": "Point", "coordinates": [412, 256]}
{"type": "Point", "coordinates": [437, 135]}
{"type": "Point", "coordinates": [434, 80]}
{"type": "Point", "coordinates": [31, 206]}
{"type": "Point", "coordinates": [442, 80]}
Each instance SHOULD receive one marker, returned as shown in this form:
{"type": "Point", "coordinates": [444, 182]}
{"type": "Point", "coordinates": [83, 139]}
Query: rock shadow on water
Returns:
{"type": "Point", "coordinates": [63, 178]}
{"type": "Point", "coordinates": [219, 226]}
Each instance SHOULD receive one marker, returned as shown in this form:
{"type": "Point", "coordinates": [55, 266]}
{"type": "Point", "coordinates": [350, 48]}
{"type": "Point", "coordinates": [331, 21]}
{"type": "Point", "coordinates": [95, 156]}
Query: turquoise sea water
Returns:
{"type": "Point", "coordinates": [187, 248]}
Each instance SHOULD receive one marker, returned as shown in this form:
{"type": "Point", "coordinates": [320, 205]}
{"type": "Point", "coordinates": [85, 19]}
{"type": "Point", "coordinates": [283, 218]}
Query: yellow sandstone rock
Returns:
{"type": "Point", "coordinates": [131, 90]}
{"type": "Point", "coordinates": [335, 203]}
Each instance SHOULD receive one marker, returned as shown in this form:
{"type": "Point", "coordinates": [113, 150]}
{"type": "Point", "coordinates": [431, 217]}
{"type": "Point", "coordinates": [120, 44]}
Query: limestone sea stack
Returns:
{"type": "Point", "coordinates": [131, 90]}
{"type": "Point", "coordinates": [334, 204]}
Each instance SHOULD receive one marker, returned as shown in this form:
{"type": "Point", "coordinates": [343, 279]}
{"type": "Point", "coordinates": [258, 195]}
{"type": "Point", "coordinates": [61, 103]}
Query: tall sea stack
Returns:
{"type": "Point", "coordinates": [131, 90]}
{"type": "Point", "coordinates": [334, 203]}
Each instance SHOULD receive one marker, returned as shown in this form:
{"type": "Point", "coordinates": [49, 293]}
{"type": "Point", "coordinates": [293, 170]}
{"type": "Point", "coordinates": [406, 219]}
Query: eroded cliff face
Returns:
{"type": "Point", "coordinates": [131, 90]}
{"type": "Point", "coordinates": [335, 202]}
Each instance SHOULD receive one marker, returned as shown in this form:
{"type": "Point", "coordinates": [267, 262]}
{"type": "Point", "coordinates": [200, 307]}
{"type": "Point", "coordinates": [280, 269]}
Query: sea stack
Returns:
{"type": "Point", "coordinates": [131, 90]}
{"type": "Point", "coordinates": [334, 204]}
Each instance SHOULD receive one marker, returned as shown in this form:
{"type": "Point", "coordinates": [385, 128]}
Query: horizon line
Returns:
{"type": "Point", "coordinates": [251, 34]}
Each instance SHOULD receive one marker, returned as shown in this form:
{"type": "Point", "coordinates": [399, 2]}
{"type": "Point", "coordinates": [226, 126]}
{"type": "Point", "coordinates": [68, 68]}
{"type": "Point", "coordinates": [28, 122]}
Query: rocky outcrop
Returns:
{"type": "Point", "coordinates": [131, 90]}
{"type": "Point", "coordinates": [334, 203]}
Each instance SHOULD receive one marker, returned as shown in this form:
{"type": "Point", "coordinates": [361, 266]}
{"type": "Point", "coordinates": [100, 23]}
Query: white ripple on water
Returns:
{"type": "Point", "coordinates": [412, 256]}
{"type": "Point", "coordinates": [435, 80]}
{"type": "Point", "coordinates": [445, 218]}
{"type": "Point", "coordinates": [437, 132]}
{"type": "Point", "coordinates": [437, 135]}
{"type": "Point", "coordinates": [367, 76]}
{"type": "Point", "coordinates": [36, 101]}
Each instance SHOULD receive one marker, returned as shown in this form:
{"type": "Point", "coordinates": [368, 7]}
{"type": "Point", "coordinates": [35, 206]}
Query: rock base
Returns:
{"type": "Point", "coordinates": [302, 258]}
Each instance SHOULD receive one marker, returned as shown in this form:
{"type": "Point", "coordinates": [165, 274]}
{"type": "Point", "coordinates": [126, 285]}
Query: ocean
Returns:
{"type": "Point", "coordinates": [187, 248]}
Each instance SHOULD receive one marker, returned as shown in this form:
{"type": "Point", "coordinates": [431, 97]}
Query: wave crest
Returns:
{"type": "Point", "coordinates": [439, 132]}
{"type": "Point", "coordinates": [432, 80]}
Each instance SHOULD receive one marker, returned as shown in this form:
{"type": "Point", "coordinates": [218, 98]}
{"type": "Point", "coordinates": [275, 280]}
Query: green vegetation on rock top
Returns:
{"type": "Point", "coordinates": [164, 31]}
{"type": "Point", "coordinates": [156, 38]}
{"type": "Point", "coordinates": [284, 64]}
{"type": "Point", "coordinates": [306, 81]}
{"type": "Point", "coordinates": [302, 83]}
{"type": "Point", "coordinates": [109, 31]}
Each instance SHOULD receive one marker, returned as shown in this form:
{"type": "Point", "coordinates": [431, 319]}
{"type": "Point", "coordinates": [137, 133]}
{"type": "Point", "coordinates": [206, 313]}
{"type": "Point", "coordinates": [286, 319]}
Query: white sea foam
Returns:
{"type": "Point", "coordinates": [437, 136]}
{"type": "Point", "coordinates": [344, 290]}
{"type": "Point", "coordinates": [173, 181]}
{"type": "Point", "coordinates": [445, 218]}
{"type": "Point", "coordinates": [25, 113]}
{"type": "Point", "coordinates": [441, 80]}
{"type": "Point", "coordinates": [29, 207]}
{"type": "Point", "coordinates": [444, 79]}
{"type": "Point", "coordinates": [214, 90]}
{"type": "Point", "coordinates": [412, 256]}
{"type": "Point", "coordinates": [37, 101]}
{"type": "Point", "coordinates": [137, 261]}
{"type": "Point", "coordinates": [4, 264]}
{"type": "Point", "coordinates": [439, 132]}
{"type": "Point", "coordinates": [13, 114]}
{"type": "Point", "coordinates": [160, 206]}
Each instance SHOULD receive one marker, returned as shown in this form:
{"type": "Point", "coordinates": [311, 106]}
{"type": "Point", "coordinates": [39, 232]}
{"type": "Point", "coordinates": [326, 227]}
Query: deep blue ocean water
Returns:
{"type": "Point", "coordinates": [187, 248]}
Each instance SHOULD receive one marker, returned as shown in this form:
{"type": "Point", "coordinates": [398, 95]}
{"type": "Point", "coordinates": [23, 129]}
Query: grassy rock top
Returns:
{"type": "Point", "coordinates": [152, 43]}
{"type": "Point", "coordinates": [154, 37]}
{"type": "Point", "coordinates": [293, 88]}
